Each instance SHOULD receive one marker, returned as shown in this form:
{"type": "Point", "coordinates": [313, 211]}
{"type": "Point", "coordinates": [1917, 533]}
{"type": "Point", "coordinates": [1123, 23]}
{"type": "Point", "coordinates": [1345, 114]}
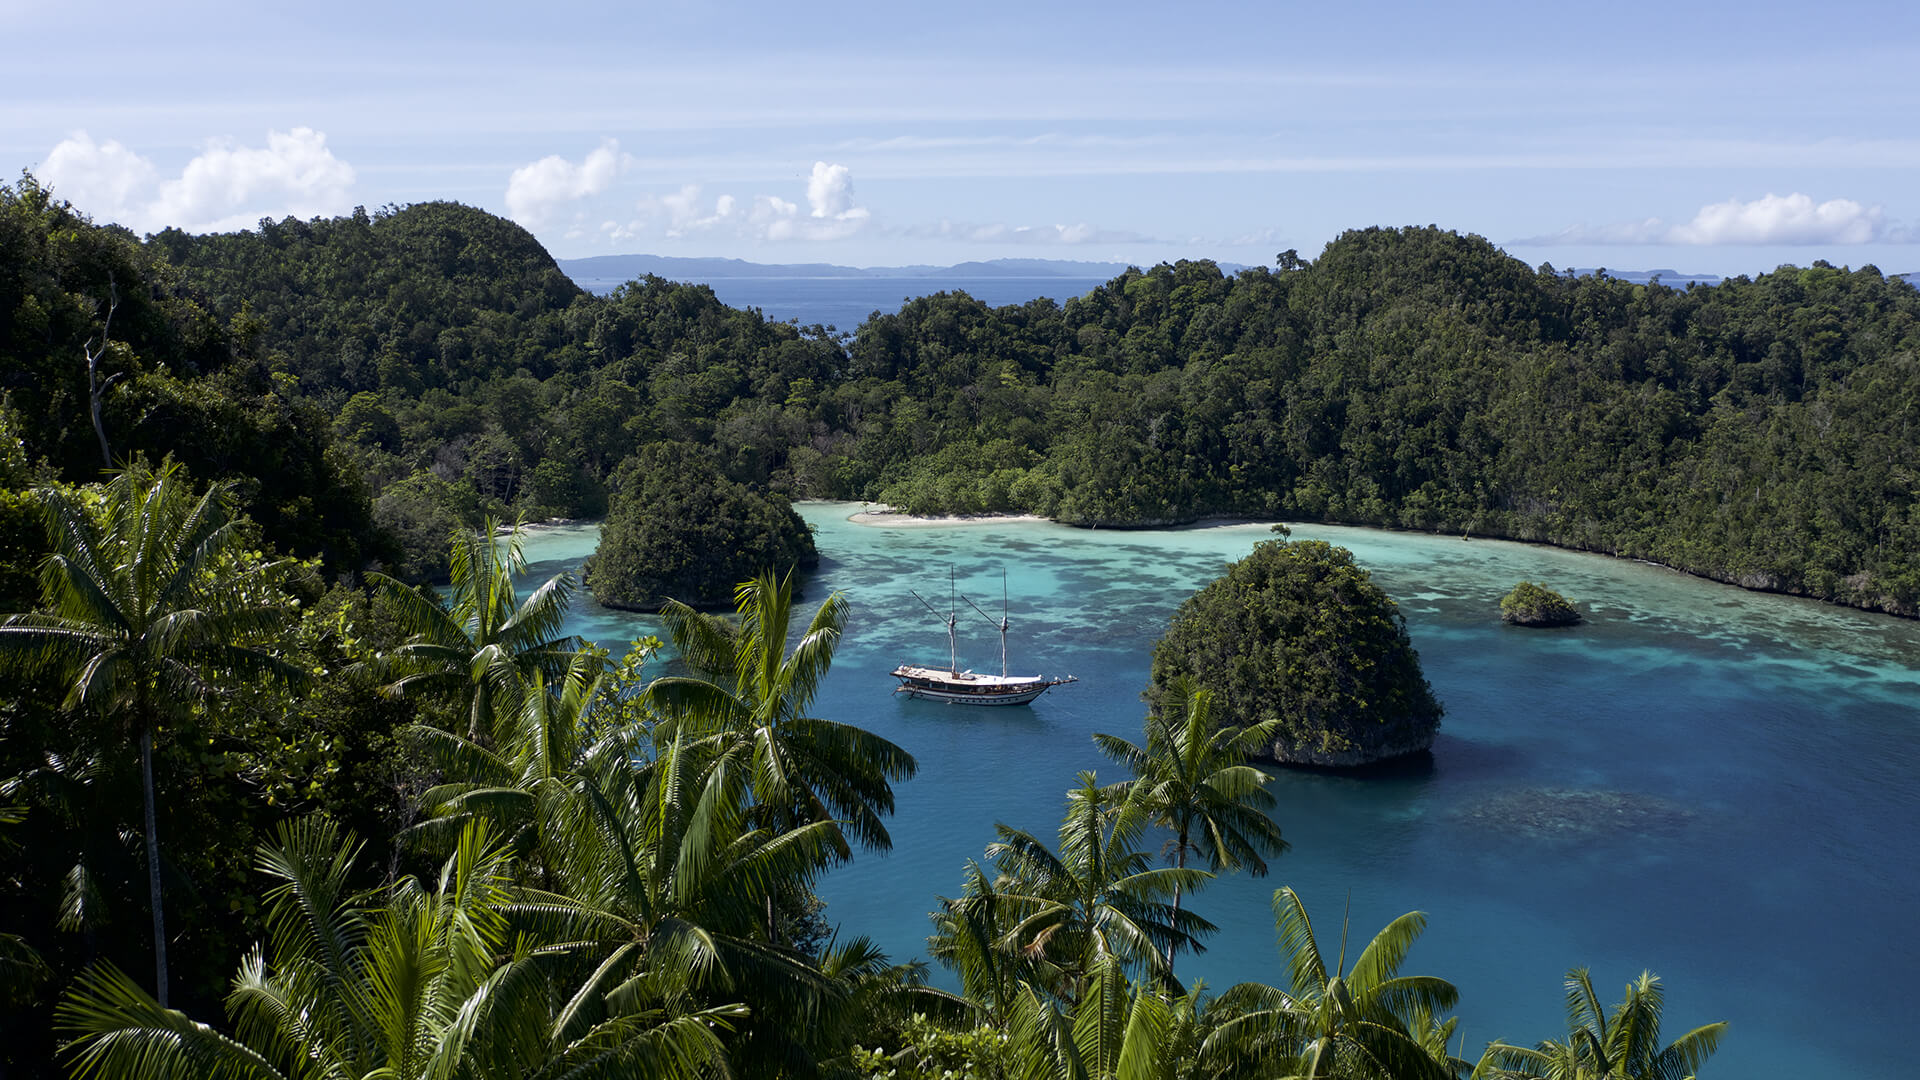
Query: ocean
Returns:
{"type": "Point", "coordinates": [1712, 784]}
{"type": "Point", "coordinates": [845, 303]}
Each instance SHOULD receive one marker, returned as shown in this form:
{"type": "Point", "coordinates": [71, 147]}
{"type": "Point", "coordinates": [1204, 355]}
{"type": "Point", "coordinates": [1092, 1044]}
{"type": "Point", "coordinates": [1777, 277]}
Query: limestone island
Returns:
{"type": "Point", "coordinates": [1536, 605]}
{"type": "Point", "coordinates": [1297, 631]}
{"type": "Point", "coordinates": [678, 529]}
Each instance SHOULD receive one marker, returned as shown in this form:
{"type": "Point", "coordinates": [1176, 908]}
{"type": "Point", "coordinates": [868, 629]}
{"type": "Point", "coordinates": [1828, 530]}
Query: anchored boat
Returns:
{"type": "Point", "coordinates": [951, 684]}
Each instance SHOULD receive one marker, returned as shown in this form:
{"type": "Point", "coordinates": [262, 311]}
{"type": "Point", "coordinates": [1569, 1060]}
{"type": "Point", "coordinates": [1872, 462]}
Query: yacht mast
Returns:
{"type": "Point", "coordinates": [1001, 622]}
{"type": "Point", "coordinates": [953, 640]}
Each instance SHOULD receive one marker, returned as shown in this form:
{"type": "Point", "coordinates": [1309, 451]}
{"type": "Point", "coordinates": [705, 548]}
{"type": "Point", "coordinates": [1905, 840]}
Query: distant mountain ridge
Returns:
{"type": "Point", "coordinates": [678, 268]}
{"type": "Point", "coordinates": [1677, 279]}
{"type": "Point", "coordinates": [682, 268]}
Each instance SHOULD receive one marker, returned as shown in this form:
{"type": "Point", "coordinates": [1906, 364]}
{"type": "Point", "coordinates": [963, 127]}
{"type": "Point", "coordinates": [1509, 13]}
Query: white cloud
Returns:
{"type": "Point", "coordinates": [106, 180]}
{"type": "Point", "coordinates": [684, 212]}
{"type": "Point", "coordinates": [1771, 219]}
{"type": "Point", "coordinates": [1776, 219]}
{"type": "Point", "coordinates": [831, 213]}
{"type": "Point", "coordinates": [537, 190]}
{"type": "Point", "coordinates": [830, 191]}
{"type": "Point", "coordinates": [295, 173]}
{"type": "Point", "coordinates": [227, 186]}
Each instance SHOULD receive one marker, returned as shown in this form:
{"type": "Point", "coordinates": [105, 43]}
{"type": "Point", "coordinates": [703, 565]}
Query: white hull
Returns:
{"type": "Point", "coordinates": [967, 688]}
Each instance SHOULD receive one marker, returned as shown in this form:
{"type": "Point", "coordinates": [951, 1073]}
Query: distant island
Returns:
{"type": "Point", "coordinates": [1671, 278]}
{"type": "Point", "coordinates": [679, 268]}
{"type": "Point", "coordinates": [675, 268]}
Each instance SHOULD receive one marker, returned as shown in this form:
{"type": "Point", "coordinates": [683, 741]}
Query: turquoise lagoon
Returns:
{"type": "Point", "coordinates": [1714, 784]}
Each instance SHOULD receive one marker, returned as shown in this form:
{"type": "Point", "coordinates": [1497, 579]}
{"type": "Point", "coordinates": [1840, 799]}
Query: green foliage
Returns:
{"type": "Point", "coordinates": [487, 643]}
{"type": "Point", "coordinates": [1050, 921]}
{"type": "Point", "coordinates": [930, 1051]}
{"type": "Point", "coordinates": [1297, 637]}
{"type": "Point", "coordinates": [679, 530]}
{"type": "Point", "coordinates": [749, 703]}
{"type": "Point", "coordinates": [427, 979]}
{"type": "Point", "coordinates": [179, 381]}
{"type": "Point", "coordinates": [1622, 1043]}
{"type": "Point", "coordinates": [1193, 780]}
{"type": "Point", "coordinates": [1760, 431]}
{"type": "Point", "coordinates": [152, 599]}
{"type": "Point", "coordinates": [1536, 605]}
{"type": "Point", "coordinates": [1361, 1022]}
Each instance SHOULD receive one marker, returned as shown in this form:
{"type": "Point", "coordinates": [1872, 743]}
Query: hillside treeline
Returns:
{"type": "Point", "coordinates": [1764, 431]}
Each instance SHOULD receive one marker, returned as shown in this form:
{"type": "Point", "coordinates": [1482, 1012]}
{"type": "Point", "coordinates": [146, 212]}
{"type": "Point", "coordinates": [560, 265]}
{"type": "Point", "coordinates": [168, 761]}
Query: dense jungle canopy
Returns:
{"type": "Point", "coordinates": [428, 364]}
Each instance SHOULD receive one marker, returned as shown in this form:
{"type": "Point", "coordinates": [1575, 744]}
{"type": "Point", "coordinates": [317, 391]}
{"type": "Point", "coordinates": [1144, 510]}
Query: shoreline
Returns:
{"type": "Point", "coordinates": [885, 517]}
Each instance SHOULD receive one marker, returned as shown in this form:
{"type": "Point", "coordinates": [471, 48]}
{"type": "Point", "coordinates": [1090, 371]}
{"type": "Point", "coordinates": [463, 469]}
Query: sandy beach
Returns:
{"type": "Point", "coordinates": [889, 518]}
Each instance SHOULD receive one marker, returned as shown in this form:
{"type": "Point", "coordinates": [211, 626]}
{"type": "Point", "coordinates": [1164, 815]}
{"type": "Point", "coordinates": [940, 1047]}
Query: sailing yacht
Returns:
{"type": "Point", "coordinates": [953, 685]}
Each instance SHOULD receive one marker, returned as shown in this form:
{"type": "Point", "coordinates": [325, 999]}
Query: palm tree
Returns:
{"type": "Point", "coordinates": [1117, 1030]}
{"type": "Point", "coordinates": [1193, 779]}
{"type": "Point", "coordinates": [532, 759]}
{"type": "Point", "coordinates": [661, 876]}
{"type": "Point", "coordinates": [422, 981]}
{"type": "Point", "coordinates": [1623, 1044]}
{"type": "Point", "coordinates": [1056, 917]}
{"type": "Point", "coordinates": [750, 702]}
{"type": "Point", "coordinates": [488, 643]}
{"type": "Point", "coordinates": [1353, 1023]}
{"type": "Point", "coordinates": [149, 604]}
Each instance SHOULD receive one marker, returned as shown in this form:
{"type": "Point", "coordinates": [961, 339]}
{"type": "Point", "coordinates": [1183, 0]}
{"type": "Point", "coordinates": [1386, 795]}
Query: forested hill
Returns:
{"type": "Point", "coordinates": [1764, 431]}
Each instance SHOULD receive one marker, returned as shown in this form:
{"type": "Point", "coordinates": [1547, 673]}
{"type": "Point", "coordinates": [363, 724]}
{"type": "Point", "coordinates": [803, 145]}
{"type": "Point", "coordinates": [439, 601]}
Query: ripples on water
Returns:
{"type": "Point", "coordinates": [1714, 784]}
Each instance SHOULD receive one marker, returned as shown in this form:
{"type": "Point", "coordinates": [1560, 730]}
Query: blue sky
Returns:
{"type": "Point", "coordinates": [1704, 137]}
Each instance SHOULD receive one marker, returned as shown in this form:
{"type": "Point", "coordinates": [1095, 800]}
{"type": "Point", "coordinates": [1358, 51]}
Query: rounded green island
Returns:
{"type": "Point", "coordinates": [1536, 605]}
{"type": "Point", "coordinates": [679, 529]}
{"type": "Point", "coordinates": [1297, 631]}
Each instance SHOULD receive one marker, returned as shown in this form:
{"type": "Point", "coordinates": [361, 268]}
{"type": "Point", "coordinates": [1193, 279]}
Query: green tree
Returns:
{"type": "Point", "coordinates": [1297, 632]}
{"type": "Point", "coordinates": [1116, 1031]}
{"type": "Point", "coordinates": [1536, 605]}
{"type": "Point", "coordinates": [1052, 919]}
{"type": "Point", "coordinates": [1192, 778]}
{"type": "Point", "coordinates": [150, 605]}
{"type": "Point", "coordinates": [1355, 1023]}
{"type": "Point", "coordinates": [530, 760]}
{"type": "Point", "coordinates": [485, 646]}
{"type": "Point", "coordinates": [662, 877]}
{"type": "Point", "coordinates": [749, 704]}
{"type": "Point", "coordinates": [1618, 1044]}
{"type": "Point", "coordinates": [422, 981]}
{"type": "Point", "coordinates": [679, 529]}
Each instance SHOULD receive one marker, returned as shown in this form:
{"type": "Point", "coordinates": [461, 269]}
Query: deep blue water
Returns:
{"type": "Point", "coordinates": [1714, 784]}
{"type": "Point", "coordinates": [845, 303]}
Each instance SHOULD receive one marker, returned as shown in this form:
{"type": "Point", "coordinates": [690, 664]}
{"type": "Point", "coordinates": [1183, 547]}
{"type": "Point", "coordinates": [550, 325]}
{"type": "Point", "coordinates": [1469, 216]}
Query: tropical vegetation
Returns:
{"type": "Point", "coordinates": [1297, 641]}
{"type": "Point", "coordinates": [611, 870]}
{"type": "Point", "coordinates": [384, 376]}
{"type": "Point", "coordinates": [443, 838]}
{"type": "Point", "coordinates": [1536, 605]}
{"type": "Point", "coordinates": [681, 530]}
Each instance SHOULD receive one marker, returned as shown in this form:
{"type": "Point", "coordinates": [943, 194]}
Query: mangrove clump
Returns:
{"type": "Point", "coordinates": [1536, 605]}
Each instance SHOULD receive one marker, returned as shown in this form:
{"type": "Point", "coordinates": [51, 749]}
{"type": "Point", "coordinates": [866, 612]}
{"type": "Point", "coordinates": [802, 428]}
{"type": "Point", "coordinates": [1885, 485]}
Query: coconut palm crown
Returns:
{"type": "Point", "coordinates": [750, 700]}
{"type": "Point", "coordinates": [487, 643]}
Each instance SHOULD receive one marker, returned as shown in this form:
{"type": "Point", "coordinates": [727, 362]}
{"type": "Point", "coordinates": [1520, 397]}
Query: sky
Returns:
{"type": "Point", "coordinates": [1703, 137]}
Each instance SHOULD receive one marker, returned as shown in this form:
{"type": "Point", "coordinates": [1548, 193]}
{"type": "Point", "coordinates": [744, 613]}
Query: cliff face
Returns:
{"type": "Point", "coordinates": [1384, 749]}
